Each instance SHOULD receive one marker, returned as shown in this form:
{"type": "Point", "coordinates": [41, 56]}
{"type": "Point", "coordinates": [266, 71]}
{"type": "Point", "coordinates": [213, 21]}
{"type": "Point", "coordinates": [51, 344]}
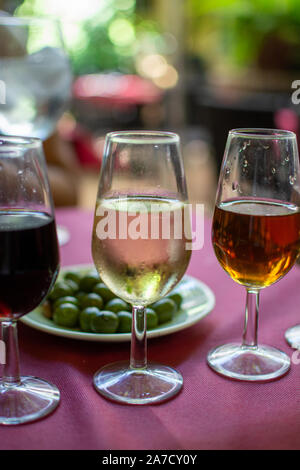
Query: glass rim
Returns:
{"type": "Point", "coordinates": [143, 137]}
{"type": "Point", "coordinates": [262, 133]}
{"type": "Point", "coordinates": [25, 20]}
{"type": "Point", "coordinates": [9, 141]}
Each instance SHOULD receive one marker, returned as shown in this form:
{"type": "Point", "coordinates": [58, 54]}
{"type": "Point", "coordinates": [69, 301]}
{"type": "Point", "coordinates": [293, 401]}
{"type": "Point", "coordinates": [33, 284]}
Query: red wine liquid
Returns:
{"type": "Point", "coordinates": [29, 260]}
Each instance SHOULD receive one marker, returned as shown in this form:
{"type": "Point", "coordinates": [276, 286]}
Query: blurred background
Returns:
{"type": "Point", "coordinates": [195, 67]}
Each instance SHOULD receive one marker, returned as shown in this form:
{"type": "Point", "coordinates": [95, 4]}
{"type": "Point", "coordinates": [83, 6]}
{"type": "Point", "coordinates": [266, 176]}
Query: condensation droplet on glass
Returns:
{"type": "Point", "coordinates": [266, 147]}
{"type": "Point", "coordinates": [273, 171]}
{"type": "Point", "coordinates": [287, 158]}
{"type": "Point", "coordinates": [235, 186]}
{"type": "Point", "coordinates": [246, 144]}
{"type": "Point", "coordinates": [245, 164]}
{"type": "Point", "coordinates": [291, 179]}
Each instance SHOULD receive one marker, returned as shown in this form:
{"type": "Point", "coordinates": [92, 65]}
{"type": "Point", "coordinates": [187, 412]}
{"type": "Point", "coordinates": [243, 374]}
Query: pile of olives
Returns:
{"type": "Point", "coordinates": [81, 300]}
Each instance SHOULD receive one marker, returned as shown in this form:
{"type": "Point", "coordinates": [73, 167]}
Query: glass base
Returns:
{"type": "Point", "coordinates": [255, 364]}
{"type": "Point", "coordinates": [120, 383]}
{"type": "Point", "coordinates": [29, 401]}
{"type": "Point", "coordinates": [292, 336]}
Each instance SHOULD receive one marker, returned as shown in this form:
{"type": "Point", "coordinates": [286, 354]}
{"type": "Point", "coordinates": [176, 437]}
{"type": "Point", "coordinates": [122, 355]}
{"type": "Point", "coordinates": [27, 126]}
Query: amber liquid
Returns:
{"type": "Point", "coordinates": [256, 242]}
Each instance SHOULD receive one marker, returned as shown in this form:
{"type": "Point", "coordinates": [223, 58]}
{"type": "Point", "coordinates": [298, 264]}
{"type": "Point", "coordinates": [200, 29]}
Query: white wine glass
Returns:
{"type": "Point", "coordinates": [139, 249]}
{"type": "Point", "coordinates": [256, 238]}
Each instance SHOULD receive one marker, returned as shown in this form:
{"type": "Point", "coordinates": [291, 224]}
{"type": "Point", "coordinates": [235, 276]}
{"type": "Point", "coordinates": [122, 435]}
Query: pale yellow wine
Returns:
{"type": "Point", "coordinates": [144, 254]}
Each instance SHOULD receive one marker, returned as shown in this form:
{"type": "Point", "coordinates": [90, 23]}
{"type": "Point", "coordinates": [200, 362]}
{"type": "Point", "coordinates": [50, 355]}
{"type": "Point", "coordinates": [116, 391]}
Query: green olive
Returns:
{"type": "Point", "coordinates": [73, 275]}
{"type": "Point", "coordinates": [125, 322]}
{"type": "Point", "coordinates": [116, 305]}
{"type": "Point", "coordinates": [85, 318]}
{"type": "Point", "coordinates": [177, 297]}
{"type": "Point", "coordinates": [66, 315]}
{"type": "Point", "coordinates": [104, 322]}
{"type": "Point", "coordinates": [72, 284]}
{"type": "Point", "coordinates": [101, 289]}
{"type": "Point", "coordinates": [91, 300]}
{"type": "Point", "coordinates": [79, 296]}
{"type": "Point", "coordinates": [60, 289]}
{"type": "Point", "coordinates": [88, 282]}
{"type": "Point", "coordinates": [69, 299]}
{"type": "Point", "coordinates": [165, 310]}
{"type": "Point", "coordinates": [152, 318]}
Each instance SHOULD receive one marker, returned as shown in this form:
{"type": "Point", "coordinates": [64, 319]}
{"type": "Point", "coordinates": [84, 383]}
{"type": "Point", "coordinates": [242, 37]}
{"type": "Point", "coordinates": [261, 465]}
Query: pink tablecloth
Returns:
{"type": "Point", "coordinates": [210, 413]}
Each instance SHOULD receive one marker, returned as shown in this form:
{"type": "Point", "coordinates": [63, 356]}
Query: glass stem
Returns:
{"type": "Point", "coordinates": [138, 356]}
{"type": "Point", "coordinates": [251, 318]}
{"type": "Point", "coordinates": [11, 372]}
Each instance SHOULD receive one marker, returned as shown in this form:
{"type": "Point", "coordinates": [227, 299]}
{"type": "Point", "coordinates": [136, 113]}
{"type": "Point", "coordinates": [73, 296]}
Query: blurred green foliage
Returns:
{"type": "Point", "coordinates": [110, 33]}
{"type": "Point", "coordinates": [111, 45]}
{"type": "Point", "coordinates": [102, 40]}
{"type": "Point", "coordinates": [98, 52]}
{"type": "Point", "coordinates": [247, 32]}
{"type": "Point", "coordinates": [249, 8]}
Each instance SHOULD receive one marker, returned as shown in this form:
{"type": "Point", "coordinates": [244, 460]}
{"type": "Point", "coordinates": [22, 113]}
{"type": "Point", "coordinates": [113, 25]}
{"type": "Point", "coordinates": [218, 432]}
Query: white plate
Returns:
{"type": "Point", "coordinates": [198, 301]}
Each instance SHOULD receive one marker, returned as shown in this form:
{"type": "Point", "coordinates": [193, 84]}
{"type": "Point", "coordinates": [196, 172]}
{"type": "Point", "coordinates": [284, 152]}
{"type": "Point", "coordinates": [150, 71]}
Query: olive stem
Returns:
{"type": "Point", "coordinates": [138, 356]}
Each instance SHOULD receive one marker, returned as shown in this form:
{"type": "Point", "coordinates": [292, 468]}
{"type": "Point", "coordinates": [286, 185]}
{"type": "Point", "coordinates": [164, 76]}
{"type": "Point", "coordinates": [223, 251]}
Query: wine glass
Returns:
{"type": "Point", "coordinates": [29, 263]}
{"type": "Point", "coordinates": [140, 250]}
{"type": "Point", "coordinates": [256, 237]}
{"type": "Point", "coordinates": [35, 76]}
{"type": "Point", "coordinates": [35, 80]}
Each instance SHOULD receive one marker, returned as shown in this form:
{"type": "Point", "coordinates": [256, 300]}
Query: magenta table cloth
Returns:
{"type": "Point", "coordinates": [211, 412]}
